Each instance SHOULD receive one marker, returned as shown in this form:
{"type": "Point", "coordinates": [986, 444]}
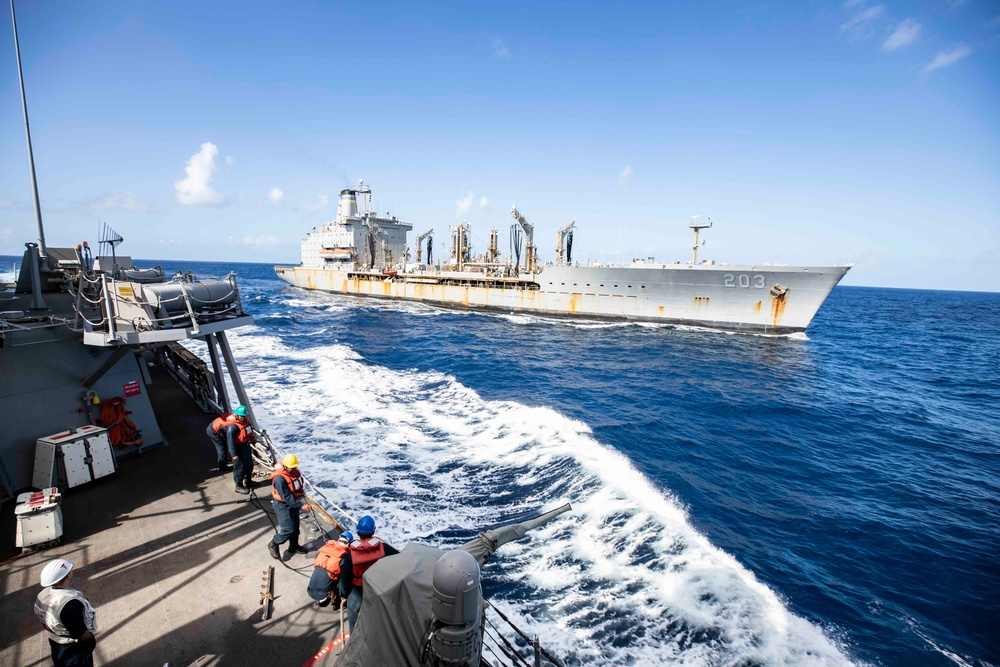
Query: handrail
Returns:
{"type": "Point", "coordinates": [531, 641]}
{"type": "Point", "coordinates": [343, 512]}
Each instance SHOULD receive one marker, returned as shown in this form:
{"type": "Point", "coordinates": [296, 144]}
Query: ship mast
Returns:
{"type": "Point", "coordinates": [696, 226]}
{"type": "Point", "coordinates": [31, 158]}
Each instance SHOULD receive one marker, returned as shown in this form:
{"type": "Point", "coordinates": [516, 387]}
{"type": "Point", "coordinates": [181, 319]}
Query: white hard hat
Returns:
{"type": "Point", "coordinates": [55, 571]}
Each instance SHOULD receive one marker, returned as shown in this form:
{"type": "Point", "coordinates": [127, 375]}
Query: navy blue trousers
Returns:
{"type": "Point", "coordinates": [320, 584]}
{"type": "Point", "coordinates": [221, 453]}
{"type": "Point", "coordinates": [243, 466]}
{"type": "Point", "coordinates": [288, 522]}
{"type": "Point", "coordinates": [80, 654]}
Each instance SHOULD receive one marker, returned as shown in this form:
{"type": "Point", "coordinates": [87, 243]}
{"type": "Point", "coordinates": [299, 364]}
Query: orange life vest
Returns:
{"type": "Point", "coordinates": [329, 558]}
{"type": "Point", "coordinates": [364, 553]}
{"type": "Point", "coordinates": [294, 479]}
{"type": "Point", "coordinates": [224, 420]}
{"type": "Point", "coordinates": [245, 434]}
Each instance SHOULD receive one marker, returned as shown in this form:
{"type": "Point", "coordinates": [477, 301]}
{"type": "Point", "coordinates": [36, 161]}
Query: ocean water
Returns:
{"type": "Point", "coordinates": [828, 498]}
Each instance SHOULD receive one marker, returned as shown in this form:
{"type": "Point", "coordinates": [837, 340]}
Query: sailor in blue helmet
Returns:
{"type": "Point", "coordinates": [362, 553]}
{"type": "Point", "coordinates": [325, 580]}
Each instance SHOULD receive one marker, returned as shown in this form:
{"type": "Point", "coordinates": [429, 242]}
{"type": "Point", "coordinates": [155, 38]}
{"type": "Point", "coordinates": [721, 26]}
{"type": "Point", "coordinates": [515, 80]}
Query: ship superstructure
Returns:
{"type": "Point", "coordinates": [360, 253]}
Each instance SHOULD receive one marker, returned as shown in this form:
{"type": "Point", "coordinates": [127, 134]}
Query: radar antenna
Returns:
{"type": "Point", "coordinates": [112, 239]}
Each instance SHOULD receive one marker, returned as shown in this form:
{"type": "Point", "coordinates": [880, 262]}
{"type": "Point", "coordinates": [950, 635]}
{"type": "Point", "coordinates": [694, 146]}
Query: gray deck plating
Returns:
{"type": "Point", "coordinates": [172, 562]}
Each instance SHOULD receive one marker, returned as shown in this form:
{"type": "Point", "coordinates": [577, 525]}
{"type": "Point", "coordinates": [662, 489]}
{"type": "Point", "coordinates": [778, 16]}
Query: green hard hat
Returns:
{"type": "Point", "coordinates": [241, 411]}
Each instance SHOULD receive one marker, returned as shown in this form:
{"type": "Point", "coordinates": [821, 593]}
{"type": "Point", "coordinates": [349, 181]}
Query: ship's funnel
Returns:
{"type": "Point", "coordinates": [348, 207]}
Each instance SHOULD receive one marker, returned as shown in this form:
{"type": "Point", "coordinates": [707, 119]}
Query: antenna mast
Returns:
{"type": "Point", "coordinates": [31, 158]}
{"type": "Point", "coordinates": [695, 225]}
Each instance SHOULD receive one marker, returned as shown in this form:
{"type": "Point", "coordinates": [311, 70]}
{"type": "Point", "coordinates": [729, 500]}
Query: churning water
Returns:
{"type": "Point", "coordinates": [822, 499]}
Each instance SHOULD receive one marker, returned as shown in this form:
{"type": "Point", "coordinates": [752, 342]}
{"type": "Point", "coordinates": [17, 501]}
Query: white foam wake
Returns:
{"type": "Point", "coordinates": [622, 579]}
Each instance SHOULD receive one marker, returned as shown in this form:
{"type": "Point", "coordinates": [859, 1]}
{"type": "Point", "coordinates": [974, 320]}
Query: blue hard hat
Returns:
{"type": "Point", "coordinates": [347, 535]}
{"type": "Point", "coordinates": [366, 525]}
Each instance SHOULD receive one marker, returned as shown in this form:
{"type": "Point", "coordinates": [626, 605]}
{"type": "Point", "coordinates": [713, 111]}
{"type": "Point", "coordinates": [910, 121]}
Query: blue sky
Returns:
{"type": "Point", "coordinates": [809, 132]}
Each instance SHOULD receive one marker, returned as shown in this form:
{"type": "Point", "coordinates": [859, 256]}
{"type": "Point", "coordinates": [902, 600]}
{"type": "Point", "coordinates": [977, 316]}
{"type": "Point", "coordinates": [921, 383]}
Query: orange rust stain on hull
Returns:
{"type": "Point", "coordinates": [757, 307]}
{"type": "Point", "coordinates": [778, 309]}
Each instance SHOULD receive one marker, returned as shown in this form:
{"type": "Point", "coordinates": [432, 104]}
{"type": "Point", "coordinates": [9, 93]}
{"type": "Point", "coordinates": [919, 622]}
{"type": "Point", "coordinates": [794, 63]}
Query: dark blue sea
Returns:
{"type": "Point", "coordinates": [828, 498]}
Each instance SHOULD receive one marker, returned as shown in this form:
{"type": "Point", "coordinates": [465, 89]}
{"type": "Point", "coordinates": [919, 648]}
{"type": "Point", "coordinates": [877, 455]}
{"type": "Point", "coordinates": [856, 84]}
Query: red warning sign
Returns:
{"type": "Point", "coordinates": [131, 388]}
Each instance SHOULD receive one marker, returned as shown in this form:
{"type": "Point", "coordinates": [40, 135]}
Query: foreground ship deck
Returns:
{"type": "Point", "coordinates": [172, 561]}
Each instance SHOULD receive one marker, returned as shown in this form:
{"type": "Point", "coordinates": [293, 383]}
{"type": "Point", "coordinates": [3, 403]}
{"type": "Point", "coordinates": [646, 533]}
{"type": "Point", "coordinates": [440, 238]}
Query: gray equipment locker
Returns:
{"type": "Point", "coordinates": [73, 457]}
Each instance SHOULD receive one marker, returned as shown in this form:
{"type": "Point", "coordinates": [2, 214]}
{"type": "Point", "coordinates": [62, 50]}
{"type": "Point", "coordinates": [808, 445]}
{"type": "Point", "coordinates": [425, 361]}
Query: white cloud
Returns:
{"type": "Point", "coordinates": [277, 197]}
{"type": "Point", "coordinates": [464, 205]}
{"type": "Point", "coordinates": [230, 160]}
{"type": "Point", "coordinates": [196, 189]}
{"type": "Point", "coordinates": [120, 202]}
{"type": "Point", "coordinates": [626, 173]}
{"type": "Point", "coordinates": [4, 203]}
{"type": "Point", "coordinates": [311, 207]}
{"type": "Point", "coordinates": [948, 58]}
{"type": "Point", "coordinates": [860, 25]}
{"type": "Point", "coordinates": [254, 242]}
{"type": "Point", "coordinates": [905, 34]}
{"type": "Point", "coordinates": [484, 203]}
{"type": "Point", "coordinates": [500, 49]}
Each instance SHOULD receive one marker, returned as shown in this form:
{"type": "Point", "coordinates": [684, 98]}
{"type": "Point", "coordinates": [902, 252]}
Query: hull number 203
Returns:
{"type": "Point", "coordinates": [744, 280]}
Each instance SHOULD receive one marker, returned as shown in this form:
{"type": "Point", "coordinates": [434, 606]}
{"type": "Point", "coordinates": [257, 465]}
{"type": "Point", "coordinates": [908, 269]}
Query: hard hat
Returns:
{"type": "Point", "coordinates": [366, 525]}
{"type": "Point", "coordinates": [347, 536]}
{"type": "Point", "coordinates": [290, 461]}
{"type": "Point", "coordinates": [55, 571]}
{"type": "Point", "coordinates": [241, 411]}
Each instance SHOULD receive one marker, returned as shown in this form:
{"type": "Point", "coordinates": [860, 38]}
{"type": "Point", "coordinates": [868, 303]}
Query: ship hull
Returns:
{"type": "Point", "coordinates": [771, 299]}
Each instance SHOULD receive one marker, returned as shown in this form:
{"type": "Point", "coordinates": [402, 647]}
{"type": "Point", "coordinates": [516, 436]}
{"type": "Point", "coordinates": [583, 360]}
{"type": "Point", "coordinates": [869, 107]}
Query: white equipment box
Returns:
{"type": "Point", "coordinates": [76, 457]}
{"type": "Point", "coordinates": [39, 519]}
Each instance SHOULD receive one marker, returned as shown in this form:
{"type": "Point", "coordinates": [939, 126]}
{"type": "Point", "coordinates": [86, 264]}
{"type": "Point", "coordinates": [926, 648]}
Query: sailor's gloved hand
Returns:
{"type": "Point", "coordinates": [306, 507]}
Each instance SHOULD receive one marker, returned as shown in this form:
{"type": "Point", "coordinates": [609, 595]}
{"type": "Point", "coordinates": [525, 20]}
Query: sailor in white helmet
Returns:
{"type": "Point", "coordinates": [67, 615]}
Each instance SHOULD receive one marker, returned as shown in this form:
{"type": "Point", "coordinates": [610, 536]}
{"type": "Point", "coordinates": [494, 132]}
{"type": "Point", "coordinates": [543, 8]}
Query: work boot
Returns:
{"type": "Point", "coordinates": [325, 602]}
{"type": "Point", "coordinates": [294, 548]}
{"type": "Point", "coordinates": [241, 489]}
{"type": "Point", "coordinates": [273, 548]}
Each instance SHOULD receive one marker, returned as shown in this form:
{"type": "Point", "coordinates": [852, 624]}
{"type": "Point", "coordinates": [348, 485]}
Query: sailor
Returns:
{"type": "Point", "coordinates": [323, 585]}
{"type": "Point", "coordinates": [288, 495]}
{"type": "Point", "coordinates": [361, 555]}
{"type": "Point", "coordinates": [239, 435]}
{"type": "Point", "coordinates": [67, 615]}
{"type": "Point", "coordinates": [218, 437]}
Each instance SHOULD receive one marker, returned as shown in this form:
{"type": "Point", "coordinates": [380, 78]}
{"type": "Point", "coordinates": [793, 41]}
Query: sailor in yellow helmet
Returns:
{"type": "Point", "coordinates": [288, 497]}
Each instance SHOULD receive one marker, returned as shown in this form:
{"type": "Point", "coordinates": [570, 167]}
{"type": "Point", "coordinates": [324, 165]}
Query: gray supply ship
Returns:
{"type": "Point", "coordinates": [362, 253]}
{"type": "Point", "coordinates": [174, 562]}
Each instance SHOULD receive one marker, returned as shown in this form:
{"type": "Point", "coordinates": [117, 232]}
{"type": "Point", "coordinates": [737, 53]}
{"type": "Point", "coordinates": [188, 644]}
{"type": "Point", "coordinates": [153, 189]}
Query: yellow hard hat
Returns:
{"type": "Point", "coordinates": [290, 461]}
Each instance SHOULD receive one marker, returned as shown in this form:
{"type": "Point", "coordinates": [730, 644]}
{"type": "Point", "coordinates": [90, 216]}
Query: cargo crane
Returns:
{"type": "Point", "coordinates": [529, 232]}
{"type": "Point", "coordinates": [460, 248]}
{"type": "Point", "coordinates": [493, 253]}
{"type": "Point", "coordinates": [420, 240]}
{"type": "Point", "coordinates": [565, 236]}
